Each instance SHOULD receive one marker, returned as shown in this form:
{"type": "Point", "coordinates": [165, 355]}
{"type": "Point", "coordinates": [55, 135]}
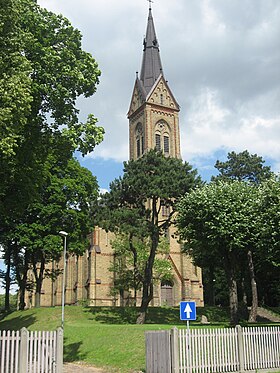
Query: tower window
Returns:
{"type": "Point", "coordinates": [166, 144]}
{"type": "Point", "coordinates": [161, 99]}
{"type": "Point", "coordinates": [165, 210]}
{"type": "Point", "coordinates": [139, 140]}
{"type": "Point", "coordinates": [158, 147]}
{"type": "Point", "coordinates": [138, 148]}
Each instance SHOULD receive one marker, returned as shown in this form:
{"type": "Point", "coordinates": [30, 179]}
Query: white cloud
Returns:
{"type": "Point", "coordinates": [221, 58]}
{"type": "Point", "coordinates": [211, 126]}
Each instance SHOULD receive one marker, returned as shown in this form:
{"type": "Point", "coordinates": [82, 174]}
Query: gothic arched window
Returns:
{"type": "Point", "coordinates": [162, 138]}
{"type": "Point", "coordinates": [139, 140]}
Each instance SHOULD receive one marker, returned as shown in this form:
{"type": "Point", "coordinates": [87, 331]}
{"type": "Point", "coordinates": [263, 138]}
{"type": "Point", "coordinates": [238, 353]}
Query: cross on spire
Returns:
{"type": "Point", "coordinates": [150, 6]}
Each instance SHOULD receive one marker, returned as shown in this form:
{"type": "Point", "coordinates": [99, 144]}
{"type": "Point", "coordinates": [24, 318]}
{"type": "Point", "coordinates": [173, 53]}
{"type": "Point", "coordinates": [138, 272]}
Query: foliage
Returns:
{"type": "Point", "coordinates": [134, 204]}
{"type": "Point", "coordinates": [250, 168]}
{"type": "Point", "coordinates": [13, 302]}
{"type": "Point", "coordinates": [43, 70]}
{"type": "Point", "coordinates": [268, 254]}
{"type": "Point", "coordinates": [65, 202]}
{"type": "Point", "coordinates": [130, 257]}
{"type": "Point", "coordinates": [221, 223]}
{"type": "Point", "coordinates": [243, 167]}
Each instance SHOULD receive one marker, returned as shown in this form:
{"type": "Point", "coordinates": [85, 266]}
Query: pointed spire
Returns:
{"type": "Point", "coordinates": [151, 63]}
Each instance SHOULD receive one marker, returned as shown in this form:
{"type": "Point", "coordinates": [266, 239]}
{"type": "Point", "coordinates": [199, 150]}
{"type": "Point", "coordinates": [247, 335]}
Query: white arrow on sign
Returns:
{"type": "Point", "coordinates": [188, 311]}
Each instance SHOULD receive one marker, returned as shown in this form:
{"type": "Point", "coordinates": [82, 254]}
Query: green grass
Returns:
{"type": "Point", "coordinates": [106, 336]}
{"type": "Point", "coordinates": [275, 310]}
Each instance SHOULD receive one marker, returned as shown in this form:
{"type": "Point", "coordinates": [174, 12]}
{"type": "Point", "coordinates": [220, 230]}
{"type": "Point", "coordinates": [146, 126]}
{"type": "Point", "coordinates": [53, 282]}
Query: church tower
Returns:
{"type": "Point", "coordinates": [153, 112]}
{"type": "Point", "coordinates": [154, 124]}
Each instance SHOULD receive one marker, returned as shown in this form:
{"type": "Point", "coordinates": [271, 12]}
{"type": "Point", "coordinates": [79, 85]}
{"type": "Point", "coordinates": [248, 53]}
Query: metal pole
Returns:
{"type": "Point", "coordinates": [63, 284]}
{"type": "Point", "coordinates": [64, 235]}
{"type": "Point", "coordinates": [189, 351]}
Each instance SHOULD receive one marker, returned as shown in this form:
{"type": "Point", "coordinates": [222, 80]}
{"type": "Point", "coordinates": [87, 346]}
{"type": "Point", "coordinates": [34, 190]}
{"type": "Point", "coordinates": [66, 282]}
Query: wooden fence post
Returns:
{"type": "Point", "coordinates": [158, 351]}
{"type": "Point", "coordinates": [23, 350]}
{"type": "Point", "coordinates": [59, 350]}
{"type": "Point", "coordinates": [240, 348]}
{"type": "Point", "coordinates": [174, 350]}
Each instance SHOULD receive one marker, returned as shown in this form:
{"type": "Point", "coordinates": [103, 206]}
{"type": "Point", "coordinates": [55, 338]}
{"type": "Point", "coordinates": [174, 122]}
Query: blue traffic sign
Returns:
{"type": "Point", "coordinates": [187, 311]}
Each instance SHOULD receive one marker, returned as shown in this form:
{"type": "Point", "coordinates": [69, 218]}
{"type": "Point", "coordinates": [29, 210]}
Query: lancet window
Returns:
{"type": "Point", "coordinates": [162, 137]}
{"type": "Point", "coordinates": [139, 138]}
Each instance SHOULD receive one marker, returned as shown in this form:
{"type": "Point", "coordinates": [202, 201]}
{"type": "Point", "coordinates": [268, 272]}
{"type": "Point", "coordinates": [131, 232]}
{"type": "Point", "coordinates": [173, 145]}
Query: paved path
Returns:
{"type": "Point", "coordinates": [80, 368]}
{"type": "Point", "coordinates": [266, 314]}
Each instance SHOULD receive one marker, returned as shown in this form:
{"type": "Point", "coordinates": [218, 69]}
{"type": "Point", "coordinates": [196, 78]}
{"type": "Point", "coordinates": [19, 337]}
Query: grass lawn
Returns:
{"type": "Point", "coordinates": [105, 337]}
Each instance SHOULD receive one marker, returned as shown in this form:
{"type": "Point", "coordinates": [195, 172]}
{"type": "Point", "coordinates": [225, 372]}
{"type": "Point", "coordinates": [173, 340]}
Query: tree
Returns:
{"type": "Point", "coordinates": [66, 201]}
{"type": "Point", "coordinates": [248, 168]}
{"type": "Point", "coordinates": [220, 223]}
{"type": "Point", "coordinates": [135, 201]}
{"type": "Point", "coordinates": [43, 70]}
{"type": "Point", "coordinates": [243, 167]}
{"type": "Point", "coordinates": [130, 256]}
{"type": "Point", "coordinates": [268, 252]}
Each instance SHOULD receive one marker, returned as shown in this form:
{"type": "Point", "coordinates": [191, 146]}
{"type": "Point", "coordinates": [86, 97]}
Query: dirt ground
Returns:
{"type": "Point", "coordinates": [80, 368]}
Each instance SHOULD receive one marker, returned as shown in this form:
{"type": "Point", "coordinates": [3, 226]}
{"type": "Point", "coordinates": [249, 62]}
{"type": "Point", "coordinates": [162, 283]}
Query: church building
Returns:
{"type": "Point", "coordinates": [153, 124]}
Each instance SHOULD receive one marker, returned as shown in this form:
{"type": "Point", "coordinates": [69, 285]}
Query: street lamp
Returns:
{"type": "Point", "coordinates": [64, 235]}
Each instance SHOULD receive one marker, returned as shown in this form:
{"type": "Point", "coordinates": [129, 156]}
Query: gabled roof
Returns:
{"type": "Point", "coordinates": [177, 106]}
{"type": "Point", "coordinates": [138, 91]}
{"type": "Point", "coordinates": [151, 63]}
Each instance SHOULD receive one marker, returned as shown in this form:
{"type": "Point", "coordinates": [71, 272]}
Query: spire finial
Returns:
{"type": "Point", "coordinates": [150, 6]}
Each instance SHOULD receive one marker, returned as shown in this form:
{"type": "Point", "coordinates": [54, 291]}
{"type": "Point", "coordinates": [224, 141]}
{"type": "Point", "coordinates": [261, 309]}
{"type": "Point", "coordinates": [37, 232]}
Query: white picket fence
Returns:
{"type": "Point", "coordinates": [229, 350]}
{"type": "Point", "coordinates": [31, 351]}
{"type": "Point", "coordinates": [213, 350]}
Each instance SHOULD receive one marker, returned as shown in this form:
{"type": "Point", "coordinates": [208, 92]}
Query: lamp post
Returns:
{"type": "Point", "coordinates": [64, 235]}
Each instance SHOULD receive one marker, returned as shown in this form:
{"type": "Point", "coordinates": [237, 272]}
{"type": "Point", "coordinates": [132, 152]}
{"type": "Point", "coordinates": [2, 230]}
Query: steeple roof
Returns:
{"type": "Point", "coordinates": [151, 63]}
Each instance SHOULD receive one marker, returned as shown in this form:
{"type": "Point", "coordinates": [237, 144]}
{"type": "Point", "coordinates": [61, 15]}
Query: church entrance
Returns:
{"type": "Point", "coordinates": [167, 293]}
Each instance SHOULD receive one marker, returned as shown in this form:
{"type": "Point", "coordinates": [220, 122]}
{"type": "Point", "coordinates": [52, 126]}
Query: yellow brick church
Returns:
{"type": "Point", "coordinates": [153, 123]}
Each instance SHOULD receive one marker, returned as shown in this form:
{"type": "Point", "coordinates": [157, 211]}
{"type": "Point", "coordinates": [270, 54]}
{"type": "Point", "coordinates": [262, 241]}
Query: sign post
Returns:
{"type": "Point", "coordinates": [188, 313]}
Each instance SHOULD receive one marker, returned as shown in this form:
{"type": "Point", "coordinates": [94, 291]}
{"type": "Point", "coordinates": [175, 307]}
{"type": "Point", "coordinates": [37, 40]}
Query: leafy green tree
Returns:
{"type": "Point", "coordinates": [243, 167]}
{"type": "Point", "coordinates": [268, 254]}
{"type": "Point", "coordinates": [43, 70]}
{"type": "Point", "coordinates": [135, 201]}
{"type": "Point", "coordinates": [66, 201]}
{"type": "Point", "coordinates": [220, 223]}
{"type": "Point", "coordinates": [130, 256]}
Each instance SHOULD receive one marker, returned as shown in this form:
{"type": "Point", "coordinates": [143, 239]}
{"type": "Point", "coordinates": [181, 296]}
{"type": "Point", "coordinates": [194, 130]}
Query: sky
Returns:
{"type": "Point", "coordinates": [221, 59]}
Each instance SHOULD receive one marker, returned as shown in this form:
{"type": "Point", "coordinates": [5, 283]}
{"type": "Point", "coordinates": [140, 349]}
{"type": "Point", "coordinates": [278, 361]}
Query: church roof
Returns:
{"type": "Point", "coordinates": [151, 63]}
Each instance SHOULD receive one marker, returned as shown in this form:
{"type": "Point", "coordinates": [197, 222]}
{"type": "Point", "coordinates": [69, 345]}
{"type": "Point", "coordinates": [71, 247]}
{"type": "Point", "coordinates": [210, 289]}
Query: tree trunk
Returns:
{"type": "Point", "coordinates": [38, 293]}
{"type": "Point", "coordinates": [244, 294]}
{"type": "Point", "coordinates": [121, 297]}
{"type": "Point", "coordinates": [254, 308]}
{"type": "Point", "coordinates": [147, 294]}
{"type": "Point", "coordinates": [21, 276]}
{"type": "Point", "coordinates": [232, 284]}
{"type": "Point", "coordinates": [22, 286]}
{"type": "Point", "coordinates": [211, 290]}
{"type": "Point", "coordinates": [233, 301]}
{"type": "Point", "coordinates": [38, 277]}
{"type": "Point", "coordinates": [7, 281]}
{"type": "Point", "coordinates": [135, 268]}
